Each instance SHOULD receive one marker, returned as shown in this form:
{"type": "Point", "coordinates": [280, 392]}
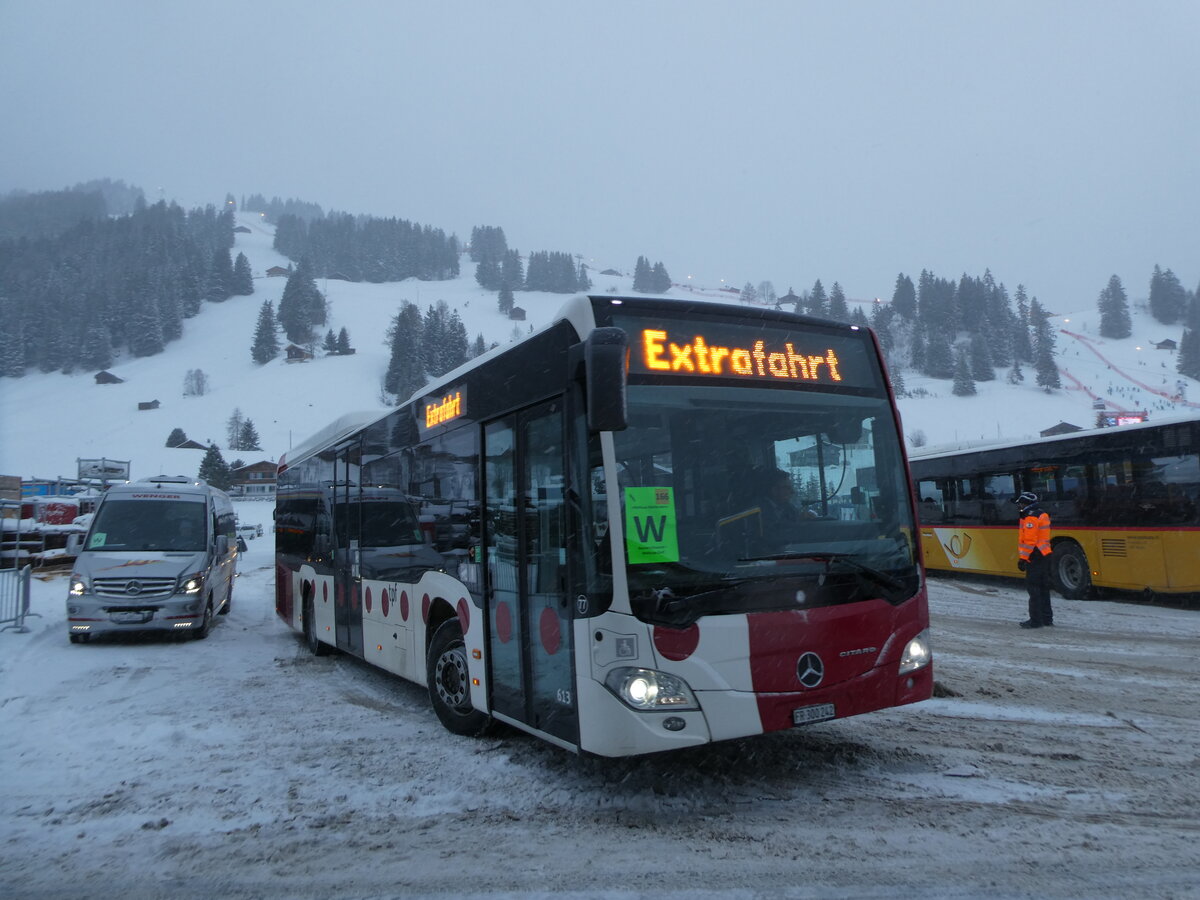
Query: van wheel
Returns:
{"type": "Point", "coordinates": [450, 683]}
{"type": "Point", "coordinates": [79, 638]}
{"type": "Point", "coordinates": [206, 623]}
{"type": "Point", "coordinates": [1070, 572]}
{"type": "Point", "coordinates": [316, 646]}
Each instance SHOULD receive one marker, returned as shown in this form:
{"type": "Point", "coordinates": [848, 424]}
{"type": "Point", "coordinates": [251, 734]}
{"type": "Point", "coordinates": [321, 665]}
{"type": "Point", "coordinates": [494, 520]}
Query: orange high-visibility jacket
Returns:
{"type": "Point", "coordinates": [1034, 534]}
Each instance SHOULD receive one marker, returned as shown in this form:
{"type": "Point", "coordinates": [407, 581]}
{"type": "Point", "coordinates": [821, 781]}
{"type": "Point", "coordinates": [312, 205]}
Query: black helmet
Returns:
{"type": "Point", "coordinates": [1028, 498]}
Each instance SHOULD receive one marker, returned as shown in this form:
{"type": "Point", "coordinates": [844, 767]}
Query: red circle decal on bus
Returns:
{"type": "Point", "coordinates": [425, 609]}
{"type": "Point", "coordinates": [550, 630]}
{"type": "Point", "coordinates": [503, 622]}
{"type": "Point", "coordinates": [324, 591]}
{"type": "Point", "coordinates": [404, 605]}
{"type": "Point", "coordinates": [464, 615]}
{"type": "Point", "coordinates": [384, 601]}
{"type": "Point", "coordinates": [675, 644]}
{"type": "Point", "coordinates": [367, 601]}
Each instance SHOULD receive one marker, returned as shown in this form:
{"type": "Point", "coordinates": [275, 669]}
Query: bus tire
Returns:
{"type": "Point", "coordinates": [316, 646]}
{"type": "Point", "coordinates": [450, 684]}
{"type": "Point", "coordinates": [1070, 572]}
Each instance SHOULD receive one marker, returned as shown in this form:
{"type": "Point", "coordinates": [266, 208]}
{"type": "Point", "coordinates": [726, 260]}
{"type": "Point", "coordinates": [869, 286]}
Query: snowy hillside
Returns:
{"type": "Point", "coordinates": [51, 420]}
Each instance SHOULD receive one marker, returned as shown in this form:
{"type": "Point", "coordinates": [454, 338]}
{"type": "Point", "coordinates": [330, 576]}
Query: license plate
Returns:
{"type": "Point", "coordinates": [806, 715]}
{"type": "Point", "coordinates": [130, 618]}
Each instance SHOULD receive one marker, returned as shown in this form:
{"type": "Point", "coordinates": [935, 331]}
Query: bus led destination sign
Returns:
{"type": "Point", "coordinates": [754, 353]}
{"type": "Point", "coordinates": [444, 409]}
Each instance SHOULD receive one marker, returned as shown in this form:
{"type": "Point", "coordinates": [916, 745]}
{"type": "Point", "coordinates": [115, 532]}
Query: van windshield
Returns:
{"type": "Point", "coordinates": [148, 525]}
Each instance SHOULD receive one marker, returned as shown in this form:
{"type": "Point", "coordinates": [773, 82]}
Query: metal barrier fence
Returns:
{"type": "Point", "coordinates": [14, 598]}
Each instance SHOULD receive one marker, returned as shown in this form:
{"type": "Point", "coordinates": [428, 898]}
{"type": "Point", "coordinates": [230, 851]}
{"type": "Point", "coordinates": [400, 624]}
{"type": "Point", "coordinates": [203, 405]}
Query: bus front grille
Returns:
{"type": "Point", "coordinates": [134, 588]}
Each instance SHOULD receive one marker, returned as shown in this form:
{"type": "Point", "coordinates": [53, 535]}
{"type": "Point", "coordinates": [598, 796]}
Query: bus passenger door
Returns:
{"type": "Point", "coordinates": [347, 526]}
{"type": "Point", "coordinates": [529, 613]}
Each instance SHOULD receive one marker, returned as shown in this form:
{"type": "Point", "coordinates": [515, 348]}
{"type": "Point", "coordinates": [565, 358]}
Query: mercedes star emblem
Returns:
{"type": "Point", "coordinates": [810, 670]}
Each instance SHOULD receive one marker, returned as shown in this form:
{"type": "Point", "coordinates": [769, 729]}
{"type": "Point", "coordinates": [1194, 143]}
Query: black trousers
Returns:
{"type": "Point", "coordinates": [1037, 581]}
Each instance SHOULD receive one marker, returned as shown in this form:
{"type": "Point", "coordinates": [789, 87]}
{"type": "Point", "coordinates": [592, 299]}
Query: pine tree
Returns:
{"type": "Point", "coordinates": [176, 437]}
{"type": "Point", "coordinates": [343, 341]}
{"type": "Point", "coordinates": [981, 359]}
{"type": "Point", "coordinates": [660, 281]}
{"type": "Point", "coordinates": [1015, 375]}
{"type": "Point", "coordinates": [916, 349]}
{"type": "Point", "coordinates": [838, 309]}
{"type": "Point", "coordinates": [248, 436]}
{"type": "Point", "coordinates": [406, 371]}
{"type": "Point", "coordinates": [939, 355]}
{"type": "Point", "coordinates": [330, 344]}
{"type": "Point", "coordinates": [479, 347]}
{"type": "Point", "coordinates": [220, 276]}
{"type": "Point", "coordinates": [1043, 348]}
{"type": "Point", "coordinates": [1114, 310]}
{"type": "Point", "coordinates": [215, 470]}
{"type": "Point", "coordinates": [1021, 340]}
{"type": "Point", "coordinates": [904, 297]}
{"type": "Point", "coordinates": [506, 302]}
{"type": "Point", "coordinates": [266, 342]}
{"type": "Point", "coordinates": [243, 277]}
{"type": "Point", "coordinates": [641, 276]}
{"type": "Point", "coordinates": [964, 385]}
{"type": "Point", "coordinates": [96, 353]}
{"type": "Point", "coordinates": [233, 429]}
{"type": "Point", "coordinates": [1189, 353]}
{"type": "Point", "coordinates": [818, 300]}
{"type": "Point", "coordinates": [302, 306]}
{"type": "Point", "coordinates": [1167, 297]}
{"type": "Point", "coordinates": [749, 294]}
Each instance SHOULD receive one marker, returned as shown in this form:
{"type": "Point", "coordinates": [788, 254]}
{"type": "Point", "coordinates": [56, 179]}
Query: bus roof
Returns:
{"type": "Point", "coordinates": [341, 427]}
{"type": "Point", "coordinates": [961, 447]}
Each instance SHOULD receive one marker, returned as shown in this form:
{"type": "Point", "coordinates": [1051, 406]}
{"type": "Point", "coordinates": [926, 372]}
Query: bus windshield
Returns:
{"type": "Point", "coordinates": [741, 499]}
{"type": "Point", "coordinates": [172, 525]}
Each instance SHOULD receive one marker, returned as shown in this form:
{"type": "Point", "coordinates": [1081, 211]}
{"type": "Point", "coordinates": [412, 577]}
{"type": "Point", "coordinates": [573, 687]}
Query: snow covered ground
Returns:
{"type": "Point", "coordinates": [1057, 763]}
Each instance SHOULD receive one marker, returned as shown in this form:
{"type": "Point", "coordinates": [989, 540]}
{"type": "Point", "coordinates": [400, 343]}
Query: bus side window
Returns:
{"type": "Point", "coordinates": [931, 507]}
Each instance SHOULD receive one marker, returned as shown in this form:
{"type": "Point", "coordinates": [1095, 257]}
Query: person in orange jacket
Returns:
{"type": "Point", "coordinates": [1033, 546]}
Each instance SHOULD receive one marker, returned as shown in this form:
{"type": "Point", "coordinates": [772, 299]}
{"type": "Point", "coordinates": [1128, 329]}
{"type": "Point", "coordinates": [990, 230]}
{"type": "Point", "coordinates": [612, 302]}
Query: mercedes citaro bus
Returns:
{"type": "Point", "coordinates": [566, 534]}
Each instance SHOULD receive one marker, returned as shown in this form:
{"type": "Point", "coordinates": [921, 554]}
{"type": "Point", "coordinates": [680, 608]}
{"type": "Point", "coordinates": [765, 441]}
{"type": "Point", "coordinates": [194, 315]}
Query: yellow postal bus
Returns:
{"type": "Point", "coordinates": [1123, 503]}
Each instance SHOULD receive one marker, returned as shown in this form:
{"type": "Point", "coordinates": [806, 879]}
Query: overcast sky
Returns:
{"type": "Point", "coordinates": [1056, 143]}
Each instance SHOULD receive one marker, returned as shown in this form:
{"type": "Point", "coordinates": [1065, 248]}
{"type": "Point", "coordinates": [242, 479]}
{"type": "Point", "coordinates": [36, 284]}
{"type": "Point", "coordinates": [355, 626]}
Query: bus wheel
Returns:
{"type": "Point", "coordinates": [450, 683]}
{"type": "Point", "coordinates": [315, 646]}
{"type": "Point", "coordinates": [206, 623]}
{"type": "Point", "coordinates": [1070, 571]}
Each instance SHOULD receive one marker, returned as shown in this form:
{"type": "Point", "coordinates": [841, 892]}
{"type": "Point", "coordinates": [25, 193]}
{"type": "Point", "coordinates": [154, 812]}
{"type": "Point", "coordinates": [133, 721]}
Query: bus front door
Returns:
{"type": "Point", "coordinates": [530, 646]}
{"type": "Point", "coordinates": [347, 557]}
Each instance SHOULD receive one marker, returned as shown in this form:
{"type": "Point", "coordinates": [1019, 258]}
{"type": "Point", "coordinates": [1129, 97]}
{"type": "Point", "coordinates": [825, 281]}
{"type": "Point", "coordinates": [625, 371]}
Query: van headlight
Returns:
{"type": "Point", "coordinates": [650, 690]}
{"type": "Point", "coordinates": [191, 584]}
{"type": "Point", "coordinates": [917, 654]}
{"type": "Point", "coordinates": [79, 585]}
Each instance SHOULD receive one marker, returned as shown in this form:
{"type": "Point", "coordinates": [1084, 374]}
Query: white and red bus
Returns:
{"type": "Point", "coordinates": [567, 534]}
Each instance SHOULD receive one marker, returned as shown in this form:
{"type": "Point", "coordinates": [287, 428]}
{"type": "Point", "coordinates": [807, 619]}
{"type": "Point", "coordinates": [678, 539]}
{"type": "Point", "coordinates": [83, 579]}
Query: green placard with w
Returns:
{"type": "Point", "coordinates": [650, 525]}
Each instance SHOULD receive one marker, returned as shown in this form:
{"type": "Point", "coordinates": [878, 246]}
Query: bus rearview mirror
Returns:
{"type": "Point", "coordinates": [604, 357]}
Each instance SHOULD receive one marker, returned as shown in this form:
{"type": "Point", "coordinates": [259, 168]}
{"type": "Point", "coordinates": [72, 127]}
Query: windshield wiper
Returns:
{"type": "Point", "coordinates": [876, 575]}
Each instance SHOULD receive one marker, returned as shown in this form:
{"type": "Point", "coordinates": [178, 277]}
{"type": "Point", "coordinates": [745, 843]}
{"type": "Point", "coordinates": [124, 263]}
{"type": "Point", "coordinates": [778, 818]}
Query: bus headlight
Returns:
{"type": "Point", "coordinates": [650, 690]}
{"type": "Point", "coordinates": [917, 654]}
{"type": "Point", "coordinates": [191, 584]}
{"type": "Point", "coordinates": [78, 586]}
